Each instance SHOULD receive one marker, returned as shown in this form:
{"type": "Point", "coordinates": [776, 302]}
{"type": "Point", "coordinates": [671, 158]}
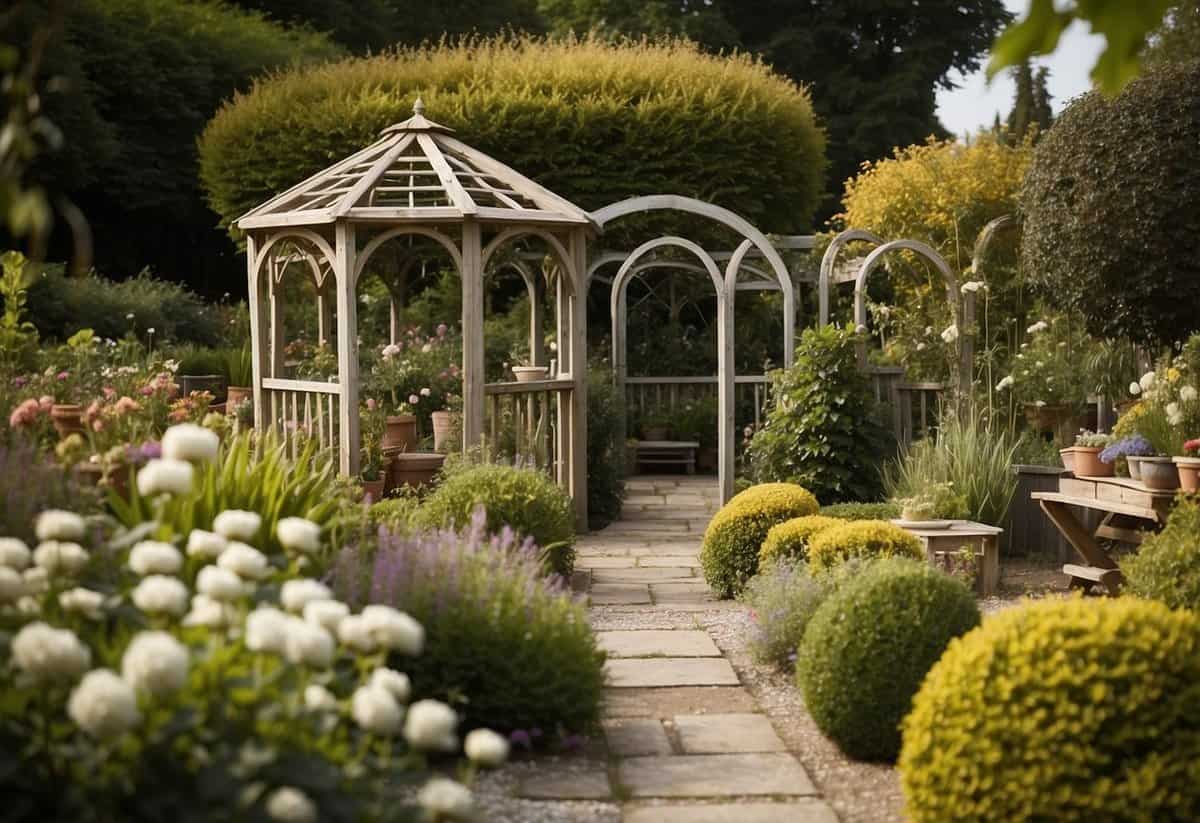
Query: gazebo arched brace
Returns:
{"type": "Point", "coordinates": [441, 239]}
{"type": "Point", "coordinates": [305, 234]}
{"type": "Point", "coordinates": [986, 234]}
{"type": "Point", "coordinates": [535, 287]}
{"type": "Point", "coordinates": [825, 279]}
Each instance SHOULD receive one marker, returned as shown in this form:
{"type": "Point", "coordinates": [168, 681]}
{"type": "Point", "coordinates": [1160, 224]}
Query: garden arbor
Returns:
{"type": "Point", "coordinates": [415, 181]}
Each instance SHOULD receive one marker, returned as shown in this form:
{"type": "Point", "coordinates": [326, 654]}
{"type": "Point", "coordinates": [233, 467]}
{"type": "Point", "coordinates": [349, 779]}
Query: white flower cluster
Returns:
{"type": "Point", "coordinates": [950, 333]}
{"type": "Point", "coordinates": [1005, 384]}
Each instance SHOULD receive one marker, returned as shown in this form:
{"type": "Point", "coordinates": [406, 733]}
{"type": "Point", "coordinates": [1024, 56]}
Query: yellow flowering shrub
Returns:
{"type": "Point", "coordinates": [1065, 710]}
{"type": "Point", "coordinates": [861, 539]}
{"type": "Point", "coordinates": [735, 535]}
{"type": "Point", "coordinates": [790, 538]}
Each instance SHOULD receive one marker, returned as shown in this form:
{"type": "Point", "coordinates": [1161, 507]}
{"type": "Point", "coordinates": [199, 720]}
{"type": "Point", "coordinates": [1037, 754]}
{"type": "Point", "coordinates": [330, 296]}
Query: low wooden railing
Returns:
{"type": "Point", "coordinates": [306, 406]}
{"type": "Point", "coordinates": [913, 406]}
{"type": "Point", "coordinates": [523, 421]}
{"type": "Point", "coordinates": [669, 393]}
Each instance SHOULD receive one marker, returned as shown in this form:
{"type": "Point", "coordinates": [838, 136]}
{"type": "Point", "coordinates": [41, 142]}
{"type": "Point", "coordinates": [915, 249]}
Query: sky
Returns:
{"type": "Point", "coordinates": [974, 104]}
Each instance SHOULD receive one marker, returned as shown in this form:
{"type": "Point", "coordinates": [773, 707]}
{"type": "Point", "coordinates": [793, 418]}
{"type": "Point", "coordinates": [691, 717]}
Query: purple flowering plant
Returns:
{"type": "Point", "coordinates": [1135, 446]}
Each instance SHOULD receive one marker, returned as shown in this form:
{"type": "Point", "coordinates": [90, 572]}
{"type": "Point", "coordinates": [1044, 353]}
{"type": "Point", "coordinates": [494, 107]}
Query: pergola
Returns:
{"type": "Point", "coordinates": [415, 181]}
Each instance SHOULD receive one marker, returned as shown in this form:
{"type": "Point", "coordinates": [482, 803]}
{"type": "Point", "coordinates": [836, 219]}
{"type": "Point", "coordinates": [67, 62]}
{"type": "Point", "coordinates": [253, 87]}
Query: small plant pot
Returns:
{"type": "Point", "coordinates": [67, 418]}
{"type": "Point", "coordinates": [445, 426]}
{"type": "Point", "coordinates": [1134, 463]}
{"type": "Point", "coordinates": [1068, 459]}
{"type": "Point", "coordinates": [400, 434]}
{"type": "Point", "coordinates": [1159, 474]}
{"type": "Point", "coordinates": [373, 489]}
{"type": "Point", "coordinates": [1189, 473]}
{"type": "Point", "coordinates": [656, 433]}
{"type": "Point", "coordinates": [1086, 462]}
{"type": "Point", "coordinates": [528, 374]}
{"type": "Point", "coordinates": [236, 396]}
{"type": "Point", "coordinates": [414, 469]}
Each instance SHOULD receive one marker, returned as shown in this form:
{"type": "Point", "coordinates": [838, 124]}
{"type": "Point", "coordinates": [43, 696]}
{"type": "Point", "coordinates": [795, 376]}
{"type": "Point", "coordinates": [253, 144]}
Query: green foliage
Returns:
{"type": "Point", "coordinates": [1166, 567]}
{"type": "Point", "coordinates": [1112, 203]}
{"type": "Point", "coordinates": [1034, 450]}
{"type": "Point", "coordinates": [869, 646]}
{"type": "Point", "coordinates": [30, 482]}
{"type": "Point", "coordinates": [861, 539]}
{"type": "Point", "coordinates": [782, 599]}
{"type": "Point", "coordinates": [821, 429]}
{"type": "Point", "coordinates": [526, 500]}
{"type": "Point", "coordinates": [736, 533]}
{"type": "Point", "coordinates": [18, 337]}
{"type": "Point", "coordinates": [606, 449]}
{"type": "Point", "coordinates": [239, 365]}
{"type": "Point", "coordinates": [862, 511]}
{"type": "Point", "coordinates": [1178, 40]}
{"type": "Point", "coordinates": [935, 501]}
{"type": "Point", "coordinates": [1070, 710]}
{"type": "Point", "coordinates": [790, 538]}
{"type": "Point", "coordinates": [591, 121]}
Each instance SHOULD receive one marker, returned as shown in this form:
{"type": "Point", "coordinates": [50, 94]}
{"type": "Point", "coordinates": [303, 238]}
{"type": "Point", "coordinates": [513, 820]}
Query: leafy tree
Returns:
{"type": "Point", "coordinates": [1179, 38]}
{"type": "Point", "coordinates": [356, 24]}
{"type": "Point", "coordinates": [1031, 112]}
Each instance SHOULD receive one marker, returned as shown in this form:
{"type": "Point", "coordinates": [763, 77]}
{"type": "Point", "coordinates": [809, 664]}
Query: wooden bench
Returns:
{"type": "Point", "coordinates": [980, 538]}
{"type": "Point", "coordinates": [668, 453]}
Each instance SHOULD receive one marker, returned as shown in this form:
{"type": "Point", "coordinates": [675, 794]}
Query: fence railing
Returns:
{"type": "Point", "coordinates": [306, 406]}
{"type": "Point", "coordinates": [524, 420]}
{"type": "Point", "coordinates": [913, 406]}
{"type": "Point", "coordinates": [669, 393]}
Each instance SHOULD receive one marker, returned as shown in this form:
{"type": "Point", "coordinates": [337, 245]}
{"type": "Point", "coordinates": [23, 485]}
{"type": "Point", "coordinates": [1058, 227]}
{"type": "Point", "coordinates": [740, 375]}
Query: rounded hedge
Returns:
{"type": "Point", "coordinates": [732, 541]}
{"type": "Point", "coordinates": [593, 121]}
{"type": "Point", "coordinates": [1112, 209]}
{"type": "Point", "coordinates": [869, 646]}
{"type": "Point", "coordinates": [1166, 567]}
{"type": "Point", "coordinates": [790, 538]}
{"type": "Point", "coordinates": [1073, 710]}
{"type": "Point", "coordinates": [862, 511]}
{"type": "Point", "coordinates": [861, 539]}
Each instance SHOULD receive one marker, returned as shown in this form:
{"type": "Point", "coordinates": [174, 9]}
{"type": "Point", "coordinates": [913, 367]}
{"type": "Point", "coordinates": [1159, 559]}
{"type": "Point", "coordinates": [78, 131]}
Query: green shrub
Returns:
{"type": "Point", "coordinates": [821, 429]}
{"type": "Point", "coordinates": [592, 121]}
{"type": "Point", "coordinates": [605, 449]}
{"type": "Point", "coordinates": [861, 539]}
{"type": "Point", "coordinates": [526, 500]}
{"type": "Point", "coordinates": [862, 511]}
{"type": "Point", "coordinates": [31, 482]}
{"type": "Point", "coordinates": [508, 645]}
{"type": "Point", "coordinates": [1166, 567]}
{"type": "Point", "coordinates": [736, 533]}
{"type": "Point", "coordinates": [790, 538]}
{"type": "Point", "coordinates": [1073, 710]}
{"type": "Point", "coordinates": [782, 599]}
{"type": "Point", "coordinates": [869, 646]}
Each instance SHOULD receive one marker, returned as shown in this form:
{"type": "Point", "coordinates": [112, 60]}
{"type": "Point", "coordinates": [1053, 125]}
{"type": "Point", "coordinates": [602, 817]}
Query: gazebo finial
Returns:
{"type": "Point", "coordinates": [419, 106]}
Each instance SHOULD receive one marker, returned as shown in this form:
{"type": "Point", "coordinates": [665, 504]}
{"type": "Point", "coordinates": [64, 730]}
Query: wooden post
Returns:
{"type": "Point", "coordinates": [258, 321]}
{"type": "Point", "coordinates": [536, 286]}
{"type": "Point", "coordinates": [576, 270]}
{"type": "Point", "coordinates": [347, 345]}
{"type": "Point", "coordinates": [726, 425]}
{"type": "Point", "coordinates": [472, 331]}
{"type": "Point", "coordinates": [274, 276]}
{"type": "Point", "coordinates": [324, 314]}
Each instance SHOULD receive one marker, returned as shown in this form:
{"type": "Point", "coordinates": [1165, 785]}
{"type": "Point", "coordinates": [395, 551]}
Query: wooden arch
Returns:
{"type": "Point", "coordinates": [825, 279]}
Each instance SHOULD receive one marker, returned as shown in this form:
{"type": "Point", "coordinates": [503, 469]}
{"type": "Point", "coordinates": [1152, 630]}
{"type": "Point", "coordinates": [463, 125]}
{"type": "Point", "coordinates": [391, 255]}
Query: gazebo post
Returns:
{"type": "Point", "coordinates": [472, 331]}
{"type": "Point", "coordinates": [275, 362]}
{"type": "Point", "coordinates": [577, 271]}
{"type": "Point", "coordinates": [347, 344]}
{"type": "Point", "coordinates": [257, 321]}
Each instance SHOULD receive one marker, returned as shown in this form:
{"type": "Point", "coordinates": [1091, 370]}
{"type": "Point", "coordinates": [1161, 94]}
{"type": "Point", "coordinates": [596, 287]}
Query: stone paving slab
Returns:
{"type": "Point", "coordinates": [714, 775]}
{"type": "Point", "coordinates": [681, 592]}
{"type": "Point", "coordinates": [590, 783]}
{"type": "Point", "coordinates": [644, 575]}
{"type": "Point", "coordinates": [646, 513]}
{"type": "Point", "coordinates": [691, 559]}
{"type": "Point", "coordinates": [605, 562]}
{"type": "Point", "coordinates": [665, 703]}
{"type": "Point", "coordinates": [657, 643]}
{"type": "Point", "coordinates": [670, 671]}
{"type": "Point", "coordinates": [678, 548]}
{"type": "Point", "coordinates": [634, 736]}
{"type": "Point", "coordinates": [626, 527]}
{"type": "Point", "coordinates": [629, 594]}
{"type": "Point", "coordinates": [806, 810]}
{"type": "Point", "coordinates": [727, 734]}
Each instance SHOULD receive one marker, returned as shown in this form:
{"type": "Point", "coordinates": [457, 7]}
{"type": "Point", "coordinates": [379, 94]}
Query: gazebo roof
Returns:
{"type": "Point", "coordinates": [416, 172]}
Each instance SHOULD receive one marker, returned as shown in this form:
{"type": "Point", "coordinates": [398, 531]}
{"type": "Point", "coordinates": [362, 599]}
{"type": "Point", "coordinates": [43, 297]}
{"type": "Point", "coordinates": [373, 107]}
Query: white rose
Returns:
{"type": "Point", "coordinates": [48, 653]}
{"type": "Point", "coordinates": [234, 524]}
{"type": "Point", "coordinates": [244, 561]}
{"type": "Point", "coordinates": [971, 286]}
{"type": "Point", "coordinates": [187, 441]}
{"type": "Point", "coordinates": [486, 748]}
{"type": "Point", "coordinates": [207, 612]}
{"type": "Point", "coordinates": [160, 594]}
{"type": "Point", "coordinates": [267, 630]}
{"type": "Point", "coordinates": [355, 633]}
{"type": "Point", "coordinates": [395, 682]}
{"type": "Point", "coordinates": [950, 333]}
{"type": "Point", "coordinates": [393, 629]}
{"type": "Point", "coordinates": [376, 711]}
{"type": "Point", "coordinates": [12, 585]}
{"type": "Point", "coordinates": [82, 601]}
{"type": "Point", "coordinates": [1135, 388]}
{"type": "Point", "coordinates": [222, 584]}
{"type": "Point", "coordinates": [104, 705]}
{"type": "Point", "coordinates": [298, 535]}
{"type": "Point", "coordinates": [155, 557]}
{"type": "Point", "coordinates": [37, 581]}
{"type": "Point", "coordinates": [14, 553]}
{"type": "Point", "coordinates": [60, 558]}
{"type": "Point", "coordinates": [289, 805]}
{"type": "Point", "coordinates": [161, 476]}
{"type": "Point", "coordinates": [155, 662]}
{"type": "Point", "coordinates": [1187, 394]}
{"type": "Point", "coordinates": [296, 594]}
{"type": "Point", "coordinates": [1005, 384]}
{"type": "Point", "coordinates": [308, 644]}
{"type": "Point", "coordinates": [319, 699]}
{"type": "Point", "coordinates": [443, 798]}
{"type": "Point", "coordinates": [208, 545]}
{"type": "Point", "coordinates": [56, 524]}
{"type": "Point", "coordinates": [328, 614]}
{"type": "Point", "coordinates": [430, 726]}
{"type": "Point", "coordinates": [1147, 381]}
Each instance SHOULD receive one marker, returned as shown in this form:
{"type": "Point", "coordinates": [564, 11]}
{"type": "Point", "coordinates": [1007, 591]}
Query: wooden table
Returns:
{"type": "Point", "coordinates": [669, 452]}
{"type": "Point", "coordinates": [980, 538]}
{"type": "Point", "coordinates": [1129, 508]}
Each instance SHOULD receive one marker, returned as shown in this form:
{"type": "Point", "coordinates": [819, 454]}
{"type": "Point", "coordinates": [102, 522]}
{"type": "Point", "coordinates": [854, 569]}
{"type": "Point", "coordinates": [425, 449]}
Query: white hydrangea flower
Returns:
{"type": "Point", "coordinates": [486, 748]}
{"type": "Point", "coordinates": [1174, 414]}
{"type": "Point", "coordinates": [48, 653]}
{"type": "Point", "coordinates": [155, 557]}
{"type": "Point", "coordinates": [162, 476]}
{"type": "Point", "coordinates": [56, 524]}
{"type": "Point", "coordinates": [430, 726]}
{"type": "Point", "coordinates": [446, 798]}
{"type": "Point", "coordinates": [29, 606]}
{"type": "Point", "coordinates": [60, 558]}
{"type": "Point", "coordinates": [972, 286]}
{"type": "Point", "coordinates": [393, 629]}
{"type": "Point", "coordinates": [1039, 326]}
{"type": "Point", "coordinates": [12, 585]}
{"type": "Point", "coordinates": [298, 535]}
{"type": "Point", "coordinates": [290, 805]}
{"type": "Point", "coordinates": [207, 612]}
{"type": "Point", "coordinates": [1135, 388]}
{"type": "Point", "coordinates": [160, 594]}
{"type": "Point", "coordinates": [328, 614]}
{"type": "Point", "coordinates": [1147, 381]}
{"type": "Point", "coordinates": [395, 682]}
{"type": "Point", "coordinates": [308, 644]}
{"type": "Point", "coordinates": [356, 633]}
{"type": "Point", "coordinates": [950, 333]}
{"type": "Point", "coordinates": [104, 705]}
{"type": "Point", "coordinates": [155, 662]}
{"type": "Point", "coordinates": [187, 441]}
{"type": "Point", "coordinates": [319, 699]}
{"type": "Point", "coordinates": [37, 581]}
{"type": "Point", "coordinates": [296, 594]}
{"type": "Point", "coordinates": [221, 584]}
{"type": "Point", "coordinates": [1187, 394]}
{"type": "Point", "coordinates": [1005, 384]}
{"type": "Point", "coordinates": [267, 630]}
{"type": "Point", "coordinates": [207, 545]}
{"type": "Point", "coordinates": [82, 601]}
{"type": "Point", "coordinates": [235, 524]}
{"type": "Point", "coordinates": [376, 711]}
{"type": "Point", "coordinates": [244, 561]}
{"type": "Point", "coordinates": [14, 553]}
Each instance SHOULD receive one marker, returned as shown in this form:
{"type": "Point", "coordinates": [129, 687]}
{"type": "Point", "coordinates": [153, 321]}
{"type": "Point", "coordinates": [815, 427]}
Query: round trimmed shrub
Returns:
{"type": "Point", "coordinates": [869, 646]}
{"type": "Point", "coordinates": [861, 539]}
{"type": "Point", "coordinates": [1166, 567]}
{"type": "Point", "coordinates": [1073, 710]}
{"type": "Point", "coordinates": [736, 533]}
{"type": "Point", "coordinates": [790, 538]}
{"type": "Point", "coordinates": [526, 500]}
{"type": "Point", "coordinates": [862, 511]}
{"type": "Point", "coordinates": [782, 599]}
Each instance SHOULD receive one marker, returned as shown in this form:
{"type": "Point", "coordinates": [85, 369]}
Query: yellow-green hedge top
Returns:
{"type": "Point", "coordinates": [1060, 710]}
{"type": "Point", "coordinates": [766, 500]}
{"type": "Point", "coordinates": [861, 538]}
{"type": "Point", "coordinates": [791, 537]}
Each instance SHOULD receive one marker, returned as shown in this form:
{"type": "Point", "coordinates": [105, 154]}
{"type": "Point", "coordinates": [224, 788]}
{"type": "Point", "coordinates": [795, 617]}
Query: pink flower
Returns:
{"type": "Point", "coordinates": [442, 329]}
{"type": "Point", "coordinates": [127, 405]}
{"type": "Point", "coordinates": [98, 425]}
{"type": "Point", "coordinates": [413, 399]}
{"type": "Point", "coordinates": [371, 404]}
{"type": "Point", "coordinates": [146, 390]}
{"type": "Point", "coordinates": [62, 375]}
{"type": "Point", "coordinates": [45, 402]}
{"type": "Point", "coordinates": [454, 371]}
{"type": "Point", "coordinates": [24, 414]}
{"type": "Point", "coordinates": [19, 381]}
{"type": "Point", "coordinates": [92, 412]}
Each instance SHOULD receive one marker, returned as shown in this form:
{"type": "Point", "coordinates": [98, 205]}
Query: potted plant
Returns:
{"type": "Point", "coordinates": [1047, 380]}
{"type": "Point", "coordinates": [400, 429]}
{"type": "Point", "coordinates": [1132, 449]}
{"type": "Point", "coordinates": [529, 374]}
{"type": "Point", "coordinates": [447, 423]}
{"type": "Point", "coordinates": [1084, 456]}
{"type": "Point", "coordinates": [371, 452]}
{"type": "Point", "coordinates": [1188, 466]}
{"type": "Point", "coordinates": [656, 425]}
{"type": "Point", "coordinates": [414, 469]}
{"type": "Point", "coordinates": [936, 502]}
{"type": "Point", "coordinates": [239, 370]}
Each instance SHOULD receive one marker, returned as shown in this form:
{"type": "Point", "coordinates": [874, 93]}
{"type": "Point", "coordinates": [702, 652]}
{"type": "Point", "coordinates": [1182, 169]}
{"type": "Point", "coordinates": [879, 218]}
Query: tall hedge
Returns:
{"type": "Point", "coordinates": [595, 122]}
{"type": "Point", "coordinates": [1112, 209]}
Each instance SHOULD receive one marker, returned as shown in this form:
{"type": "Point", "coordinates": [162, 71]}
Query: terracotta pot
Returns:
{"type": "Point", "coordinates": [1189, 473]}
{"type": "Point", "coordinates": [400, 434]}
{"type": "Point", "coordinates": [373, 489]}
{"type": "Point", "coordinates": [445, 426]}
{"type": "Point", "coordinates": [1160, 474]}
{"type": "Point", "coordinates": [236, 396]}
{"type": "Point", "coordinates": [67, 417]}
{"type": "Point", "coordinates": [1068, 459]}
{"type": "Point", "coordinates": [1087, 463]}
{"type": "Point", "coordinates": [1135, 467]}
{"type": "Point", "coordinates": [414, 469]}
{"type": "Point", "coordinates": [528, 374]}
{"type": "Point", "coordinates": [656, 433]}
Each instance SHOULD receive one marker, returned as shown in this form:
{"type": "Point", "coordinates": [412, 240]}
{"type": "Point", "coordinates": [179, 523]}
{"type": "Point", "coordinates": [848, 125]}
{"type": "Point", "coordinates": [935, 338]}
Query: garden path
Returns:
{"type": "Point", "coordinates": [684, 739]}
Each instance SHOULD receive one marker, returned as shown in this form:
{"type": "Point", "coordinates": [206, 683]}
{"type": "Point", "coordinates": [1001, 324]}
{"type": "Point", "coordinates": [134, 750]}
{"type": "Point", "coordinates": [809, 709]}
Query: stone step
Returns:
{"type": "Point", "coordinates": [657, 643]}
{"type": "Point", "coordinates": [714, 775]}
{"type": "Point", "coordinates": [635, 672]}
{"type": "Point", "coordinates": [803, 810]}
